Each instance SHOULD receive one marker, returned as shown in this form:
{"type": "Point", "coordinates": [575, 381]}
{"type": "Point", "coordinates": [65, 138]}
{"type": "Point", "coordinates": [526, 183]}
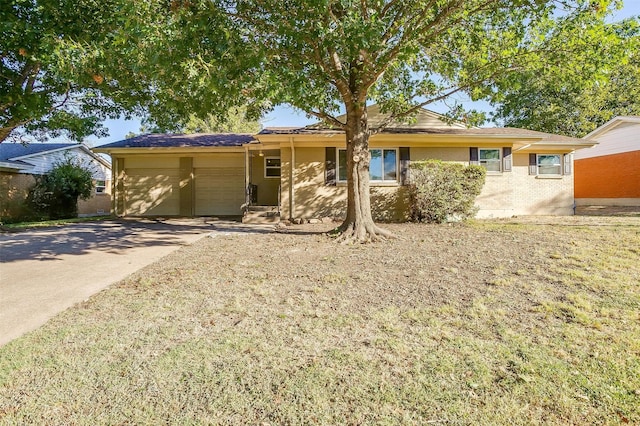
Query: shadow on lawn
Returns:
{"type": "Point", "coordinates": [110, 236]}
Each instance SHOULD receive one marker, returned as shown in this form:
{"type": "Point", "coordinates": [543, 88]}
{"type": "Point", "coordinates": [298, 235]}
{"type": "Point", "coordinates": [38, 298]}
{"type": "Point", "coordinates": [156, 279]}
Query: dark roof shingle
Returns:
{"type": "Point", "coordinates": [14, 150]}
{"type": "Point", "coordinates": [157, 140]}
{"type": "Point", "coordinates": [472, 131]}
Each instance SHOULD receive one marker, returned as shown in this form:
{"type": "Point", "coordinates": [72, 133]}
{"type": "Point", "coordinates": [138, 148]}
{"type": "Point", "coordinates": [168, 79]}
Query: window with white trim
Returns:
{"type": "Point", "coordinates": [489, 158]}
{"type": "Point", "coordinates": [272, 167]}
{"type": "Point", "coordinates": [549, 164]}
{"type": "Point", "coordinates": [101, 186]}
{"type": "Point", "coordinates": [383, 167]}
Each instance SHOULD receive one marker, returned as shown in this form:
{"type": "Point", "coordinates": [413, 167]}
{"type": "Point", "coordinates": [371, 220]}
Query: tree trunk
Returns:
{"type": "Point", "coordinates": [358, 226]}
{"type": "Point", "coordinates": [5, 132]}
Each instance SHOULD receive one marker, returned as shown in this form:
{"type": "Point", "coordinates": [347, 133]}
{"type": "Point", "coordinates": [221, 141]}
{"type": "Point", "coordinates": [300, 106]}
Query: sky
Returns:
{"type": "Point", "coordinates": [284, 116]}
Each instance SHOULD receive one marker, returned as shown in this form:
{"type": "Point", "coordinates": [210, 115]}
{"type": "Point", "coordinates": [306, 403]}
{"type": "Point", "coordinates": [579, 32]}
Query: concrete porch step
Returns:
{"type": "Point", "coordinates": [261, 214]}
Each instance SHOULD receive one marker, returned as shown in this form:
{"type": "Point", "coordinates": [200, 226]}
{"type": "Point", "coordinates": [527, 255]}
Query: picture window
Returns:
{"type": "Point", "coordinates": [382, 168]}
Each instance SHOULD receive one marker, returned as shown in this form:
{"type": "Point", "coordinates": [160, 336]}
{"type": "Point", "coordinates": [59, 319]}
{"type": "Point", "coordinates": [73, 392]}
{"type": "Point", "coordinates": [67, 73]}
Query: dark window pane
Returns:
{"type": "Point", "coordinates": [342, 164]}
{"type": "Point", "coordinates": [390, 165]}
{"type": "Point", "coordinates": [273, 172]}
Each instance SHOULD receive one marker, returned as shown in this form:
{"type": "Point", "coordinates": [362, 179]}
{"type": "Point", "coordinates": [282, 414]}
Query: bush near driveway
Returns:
{"type": "Point", "coordinates": [481, 323]}
{"type": "Point", "coordinates": [55, 194]}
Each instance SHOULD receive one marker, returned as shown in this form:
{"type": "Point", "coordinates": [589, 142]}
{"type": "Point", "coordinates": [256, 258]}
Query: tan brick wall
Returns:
{"type": "Point", "coordinates": [285, 182]}
{"type": "Point", "coordinates": [504, 194]}
{"type": "Point", "coordinates": [314, 199]}
{"type": "Point", "coordinates": [99, 204]}
{"type": "Point", "coordinates": [13, 191]}
{"type": "Point", "coordinates": [518, 193]}
{"type": "Point", "coordinates": [457, 155]}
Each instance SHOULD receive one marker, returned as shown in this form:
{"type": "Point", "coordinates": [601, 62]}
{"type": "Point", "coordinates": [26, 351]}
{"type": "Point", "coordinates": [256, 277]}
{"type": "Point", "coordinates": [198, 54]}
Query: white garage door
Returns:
{"type": "Point", "coordinates": [152, 192]}
{"type": "Point", "coordinates": [219, 191]}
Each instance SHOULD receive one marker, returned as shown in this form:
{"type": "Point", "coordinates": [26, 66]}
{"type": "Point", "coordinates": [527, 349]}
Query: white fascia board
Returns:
{"type": "Point", "coordinates": [36, 154]}
{"type": "Point", "coordinates": [612, 124]}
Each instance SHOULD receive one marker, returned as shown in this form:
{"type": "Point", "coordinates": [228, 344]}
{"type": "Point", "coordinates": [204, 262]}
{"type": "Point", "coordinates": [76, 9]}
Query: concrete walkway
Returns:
{"type": "Point", "coordinates": [44, 271]}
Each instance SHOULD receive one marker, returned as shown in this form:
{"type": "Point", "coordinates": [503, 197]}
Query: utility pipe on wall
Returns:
{"type": "Point", "coordinates": [292, 184]}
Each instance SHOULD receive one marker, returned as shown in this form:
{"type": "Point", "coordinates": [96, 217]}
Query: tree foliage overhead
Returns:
{"type": "Point", "coordinates": [333, 56]}
{"type": "Point", "coordinates": [173, 58]}
{"type": "Point", "coordinates": [50, 83]}
{"type": "Point", "coordinates": [235, 122]}
{"type": "Point", "coordinates": [575, 89]}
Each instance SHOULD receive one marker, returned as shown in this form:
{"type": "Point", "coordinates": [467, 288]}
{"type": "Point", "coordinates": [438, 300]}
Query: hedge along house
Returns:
{"type": "Point", "coordinates": [301, 172]}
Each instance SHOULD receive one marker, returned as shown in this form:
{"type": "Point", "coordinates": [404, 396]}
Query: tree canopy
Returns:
{"type": "Point", "coordinates": [574, 91]}
{"type": "Point", "coordinates": [48, 84]}
{"type": "Point", "coordinates": [174, 58]}
{"type": "Point", "coordinates": [234, 122]}
{"type": "Point", "coordinates": [334, 56]}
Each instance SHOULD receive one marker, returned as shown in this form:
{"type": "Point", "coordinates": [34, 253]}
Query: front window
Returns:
{"type": "Point", "coordinates": [272, 167]}
{"type": "Point", "coordinates": [549, 164]}
{"type": "Point", "coordinates": [490, 159]}
{"type": "Point", "coordinates": [382, 168]}
{"type": "Point", "coordinates": [101, 186]}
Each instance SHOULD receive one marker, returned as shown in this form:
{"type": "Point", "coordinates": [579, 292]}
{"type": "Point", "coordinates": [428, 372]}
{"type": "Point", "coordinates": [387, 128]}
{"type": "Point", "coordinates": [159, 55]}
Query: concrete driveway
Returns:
{"type": "Point", "coordinates": [47, 270]}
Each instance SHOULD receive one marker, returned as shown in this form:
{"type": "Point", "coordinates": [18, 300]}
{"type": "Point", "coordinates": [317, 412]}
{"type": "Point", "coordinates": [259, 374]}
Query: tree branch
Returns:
{"type": "Point", "coordinates": [328, 119]}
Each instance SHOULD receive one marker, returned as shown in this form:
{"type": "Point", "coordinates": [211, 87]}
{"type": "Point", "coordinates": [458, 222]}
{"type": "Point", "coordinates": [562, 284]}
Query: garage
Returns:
{"type": "Point", "coordinates": [219, 184]}
{"type": "Point", "coordinates": [207, 185]}
{"type": "Point", "coordinates": [179, 175]}
{"type": "Point", "coordinates": [151, 186]}
{"type": "Point", "coordinates": [152, 192]}
{"type": "Point", "coordinates": [219, 191]}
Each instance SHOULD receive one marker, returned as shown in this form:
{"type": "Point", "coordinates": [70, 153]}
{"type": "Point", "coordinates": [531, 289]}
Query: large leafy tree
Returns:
{"type": "Point", "coordinates": [55, 59]}
{"type": "Point", "coordinates": [574, 90]}
{"type": "Point", "coordinates": [235, 122]}
{"type": "Point", "coordinates": [343, 54]}
{"type": "Point", "coordinates": [331, 56]}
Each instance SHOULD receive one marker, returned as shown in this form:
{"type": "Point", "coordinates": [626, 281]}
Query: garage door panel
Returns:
{"type": "Point", "coordinates": [219, 191]}
{"type": "Point", "coordinates": [152, 192]}
{"type": "Point", "coordinates": [224, 160]}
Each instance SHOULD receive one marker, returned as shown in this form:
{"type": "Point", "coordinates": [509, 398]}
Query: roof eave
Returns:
{"type": "Point", "coordinates": [8, 166]}
{"type": "Point", "coordinates": [172, 149]}
{"type": "Point", "coordinates": [35, 154]}
{"type": "Point", "coordinates": [612, 124]}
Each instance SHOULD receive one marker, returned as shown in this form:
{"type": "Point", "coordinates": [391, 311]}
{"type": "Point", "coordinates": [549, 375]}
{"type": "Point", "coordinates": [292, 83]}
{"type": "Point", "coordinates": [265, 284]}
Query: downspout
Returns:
{"type": "Point", "coordinates": [292, 203]}
{"type": "Point", "coordinates": [247, 178]}
{"type": "Point", "coordinates": [114, 176]}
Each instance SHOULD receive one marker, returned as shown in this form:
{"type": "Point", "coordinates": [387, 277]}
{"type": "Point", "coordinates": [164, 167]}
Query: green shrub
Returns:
{"type": "Point", "coordinates": [55, 195]}
{"type": "Point", "coordinates": [441, 191]}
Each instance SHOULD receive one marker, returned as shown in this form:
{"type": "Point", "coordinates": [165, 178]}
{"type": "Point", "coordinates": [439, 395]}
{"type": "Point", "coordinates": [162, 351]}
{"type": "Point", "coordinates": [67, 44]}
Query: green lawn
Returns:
{"type": "Point", "coordinates": [485, 323]}
{"type": "Point", "coordinates": [45, 223]}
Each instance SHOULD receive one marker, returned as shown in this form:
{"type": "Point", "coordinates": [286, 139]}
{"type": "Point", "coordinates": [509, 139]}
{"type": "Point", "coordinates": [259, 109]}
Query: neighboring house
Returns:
{"type": "Point", "coordinates": [301, 172]}
{"type": "Point", "coordinates": [20, 163]}
{"type": "Point", "coordinates": [609, 173]}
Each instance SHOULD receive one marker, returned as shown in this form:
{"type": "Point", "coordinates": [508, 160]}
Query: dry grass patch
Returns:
{"type": "Point", "coordinates": [490, 323]}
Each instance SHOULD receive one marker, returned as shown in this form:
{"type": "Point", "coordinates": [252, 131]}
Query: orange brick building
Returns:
{"type": "Point", "coordinates": [609, 173]}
